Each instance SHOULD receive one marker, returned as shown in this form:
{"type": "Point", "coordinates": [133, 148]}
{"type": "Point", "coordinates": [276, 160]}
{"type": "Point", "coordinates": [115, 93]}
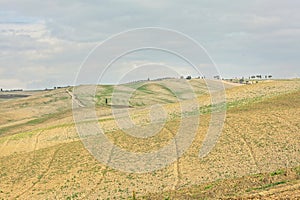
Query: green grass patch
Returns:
{"type": "Point", "coordinates": [137, 104]}
{"type": "Point", "coordinates": [33, 122]}
{"type": "Point", "coordinates": [167, 100]}
{"type": "Point", "coordinates": [105, 93]}
{"type": "Point", "coordinates": [208, 187]}
{"type": "Point", "coordinates": [277, 172]}
{"type": "Point", "coordinates": [42, 119]}
{"type": "Point", "coordinates": [267, 186]}
{"type": "Point", "coordinates": [144, 89]}
{"type": "Point", "coordinates": [2, 140]}
{"type": "Point", "coordinates": [106, 119]}
{"type": "Point", "coordinates": [23, 135]}
{"type": "Point", "coordinates": [297, 170]}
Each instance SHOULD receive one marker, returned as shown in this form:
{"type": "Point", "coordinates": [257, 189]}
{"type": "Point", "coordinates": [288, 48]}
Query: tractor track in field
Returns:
{"type": "Point", "coordinates": [290, 125]}
{"type": "Point", "coordinates": [42, 176]}
{"type": "Point", "coordinates": [34, 150]}
{"type": "Point", "coordinates": [102, 177]}
{"type": "Point", "coordinates": [97, 185]}
{"type": "Point", "coordinates": [35, 144]}
{"type": "Point", "coordinates": [4, 144]}
{"type": "Point", "coordinates": [177, 172]}
{"type": "Point", "coordinates": [250, 150]}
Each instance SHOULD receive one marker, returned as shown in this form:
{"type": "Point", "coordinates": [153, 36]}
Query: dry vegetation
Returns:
{"type": "Point", "coordinates": [258, 154]}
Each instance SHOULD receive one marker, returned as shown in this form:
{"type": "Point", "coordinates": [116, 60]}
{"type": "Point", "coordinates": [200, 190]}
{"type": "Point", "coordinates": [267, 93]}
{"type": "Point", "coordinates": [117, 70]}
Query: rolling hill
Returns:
{"type": "Point", "coordinates": [256, 156]}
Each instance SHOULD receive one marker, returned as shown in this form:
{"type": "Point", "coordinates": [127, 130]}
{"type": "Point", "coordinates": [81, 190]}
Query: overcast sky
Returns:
{"type": "Point", "coordinates": [43, 43]}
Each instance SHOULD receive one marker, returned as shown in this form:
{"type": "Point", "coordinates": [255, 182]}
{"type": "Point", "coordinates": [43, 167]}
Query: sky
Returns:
{"type": "Point", "coordinates": [45, 43]}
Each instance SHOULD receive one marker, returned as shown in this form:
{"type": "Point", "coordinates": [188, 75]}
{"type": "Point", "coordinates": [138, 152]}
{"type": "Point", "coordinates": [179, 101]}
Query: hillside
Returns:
{"type": "Point", "coordinates": [42, 156]}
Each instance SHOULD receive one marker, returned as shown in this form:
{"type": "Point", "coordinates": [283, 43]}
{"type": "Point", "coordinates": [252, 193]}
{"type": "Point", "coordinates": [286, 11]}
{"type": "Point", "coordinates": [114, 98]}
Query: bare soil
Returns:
{"type": "Point", "coordinates": [42, 157]}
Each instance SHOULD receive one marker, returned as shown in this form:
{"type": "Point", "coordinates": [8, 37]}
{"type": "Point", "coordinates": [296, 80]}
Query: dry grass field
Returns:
{"type": "Point", "coordinates": [257, 155]}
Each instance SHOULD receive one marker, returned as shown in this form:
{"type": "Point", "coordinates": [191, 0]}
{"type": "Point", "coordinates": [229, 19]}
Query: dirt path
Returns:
{"type": "Point", "coordinates": [75, 100]}
{"type": "Point", "coordinates": [231, 83]}
{"type": "Point", "coordinates": [176, 164]}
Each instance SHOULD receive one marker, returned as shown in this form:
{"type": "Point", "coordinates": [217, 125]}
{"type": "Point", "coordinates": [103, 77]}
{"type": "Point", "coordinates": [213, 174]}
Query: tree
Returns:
{"type": "Point", "coordinates": [188, 77]}
{"type": "Point", "coordinates": [1, 90]}
{"type": "Point", "coordinates": [270, 76]}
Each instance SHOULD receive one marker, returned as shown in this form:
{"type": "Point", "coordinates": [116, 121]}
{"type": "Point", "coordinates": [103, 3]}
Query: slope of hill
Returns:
{"type": "Point", "coordinates": [42, 156]}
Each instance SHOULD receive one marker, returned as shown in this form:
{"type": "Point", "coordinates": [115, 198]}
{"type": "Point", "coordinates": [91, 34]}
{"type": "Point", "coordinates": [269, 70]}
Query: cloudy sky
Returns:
{"type": "Point", "coordinates": [44, 43]}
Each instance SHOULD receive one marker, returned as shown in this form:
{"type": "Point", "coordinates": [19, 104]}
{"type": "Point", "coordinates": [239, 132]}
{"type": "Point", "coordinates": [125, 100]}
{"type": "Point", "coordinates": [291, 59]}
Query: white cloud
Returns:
{"type": "Point", "coordinates": [12, 84]}
{"type": "Point", "coordinates": [52, 38]}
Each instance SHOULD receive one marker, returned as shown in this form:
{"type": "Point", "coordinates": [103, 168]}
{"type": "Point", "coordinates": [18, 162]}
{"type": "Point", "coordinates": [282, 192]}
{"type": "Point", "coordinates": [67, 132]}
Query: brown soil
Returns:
{"type": "Point", "coordinates": [45, 159]}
